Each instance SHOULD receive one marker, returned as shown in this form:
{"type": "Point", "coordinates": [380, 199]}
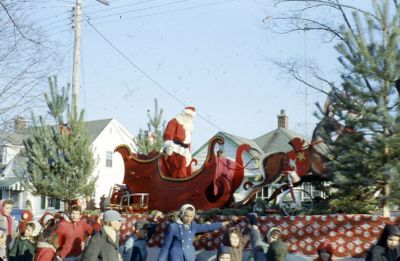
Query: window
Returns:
{"type": "Point", "coordinates": [109, 155]}
{"type": "Point", "coordinates": [49, 202]}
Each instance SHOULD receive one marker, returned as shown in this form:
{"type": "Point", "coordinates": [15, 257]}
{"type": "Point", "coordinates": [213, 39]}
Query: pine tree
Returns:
{"type": "Point", "coordinates": [365, 157]}
{"type": "Point", "coordinates": [150, 141]}
{"type": "Point", "coordinates": [59, 158]}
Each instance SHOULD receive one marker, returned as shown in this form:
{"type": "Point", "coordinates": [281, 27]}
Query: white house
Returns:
{"type": "Point", "coordinates": [105, 136]}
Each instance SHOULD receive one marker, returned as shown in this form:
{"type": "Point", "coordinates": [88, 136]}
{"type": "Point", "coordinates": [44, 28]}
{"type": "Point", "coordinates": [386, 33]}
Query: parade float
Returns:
{"type": "Point", "coordinates": [146, 177]}
{"type": "Point", "coordinates": [148, 186]}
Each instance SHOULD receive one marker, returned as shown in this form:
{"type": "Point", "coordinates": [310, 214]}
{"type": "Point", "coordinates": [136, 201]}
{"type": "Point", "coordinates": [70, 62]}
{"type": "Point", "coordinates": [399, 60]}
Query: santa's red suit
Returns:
{"type": "Point", "coordinates": [177, 139]}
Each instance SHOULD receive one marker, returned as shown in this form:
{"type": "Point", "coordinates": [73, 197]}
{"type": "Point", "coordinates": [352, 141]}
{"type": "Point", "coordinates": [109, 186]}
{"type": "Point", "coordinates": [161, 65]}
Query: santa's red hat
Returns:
{"type": "Point", "coordinates": [190, 110]}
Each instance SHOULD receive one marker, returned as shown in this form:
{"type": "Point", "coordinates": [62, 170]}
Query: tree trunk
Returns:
{"type": "Point", "coordinates": [385, 205]}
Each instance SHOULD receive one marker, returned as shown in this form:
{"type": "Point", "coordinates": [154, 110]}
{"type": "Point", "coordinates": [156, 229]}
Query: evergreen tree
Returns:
{"type": "Point", "coordinates": [151, 140]}
{"type": "Point", "coordinates": [59, 158]}
{"type": "Point", "coordinates": [365, 157]}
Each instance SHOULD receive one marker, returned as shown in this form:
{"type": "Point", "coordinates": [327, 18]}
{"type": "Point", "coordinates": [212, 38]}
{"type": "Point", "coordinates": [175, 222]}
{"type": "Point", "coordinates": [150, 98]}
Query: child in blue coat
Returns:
{"type": "Point", "coordinates": [135, 248]}
{"type": "Point", "coordinates": [178, 241]}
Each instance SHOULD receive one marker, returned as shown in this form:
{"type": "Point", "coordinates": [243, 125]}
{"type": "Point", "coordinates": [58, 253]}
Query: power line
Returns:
{"type": "Point", "coordinates": [147, 75]}
{"type": "Point", "coordinates": [148, 15]}
{"type": "Point", "coordinates": [166, 12]}
{"type": "Point", "coordinates": [142, 9]}
{"type": "Point", "coordinates": [64, 1]}
{"type": "Point", "coordinates": [69, 23]}
{"type": "Point", "coordinates": [118, 7]}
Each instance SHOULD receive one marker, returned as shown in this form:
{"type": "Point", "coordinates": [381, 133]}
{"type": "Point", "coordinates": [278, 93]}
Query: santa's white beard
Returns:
{"type": "Point", "coordinates": [187, 123]}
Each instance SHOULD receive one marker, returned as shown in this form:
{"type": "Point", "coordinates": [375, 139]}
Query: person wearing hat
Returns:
{"type": "Point", "coordinates": [178, 241]}
{"type": "Point", "coordinates": [277, 250]}
{"type": "Point", "coordinates": [104, 245]}
{"type": "Point", "coordinates": [135, 247]}
{"type": "Point", "coordinates": [24, 245]}
{"type": "Point", "coordinates": [177, 140]}
{"type": "Point", "coordinates": [388, 246]}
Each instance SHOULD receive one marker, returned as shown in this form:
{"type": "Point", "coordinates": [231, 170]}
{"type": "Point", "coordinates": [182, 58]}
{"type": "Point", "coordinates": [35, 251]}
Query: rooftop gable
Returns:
{"type": "Point", "coordinates": [233, 138]}
{"type": "Point", "coordinates": [277, 140]}
{"type": "Point", "coordinates": [94, 129]}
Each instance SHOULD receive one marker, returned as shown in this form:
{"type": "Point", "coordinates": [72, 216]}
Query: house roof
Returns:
{"type": "Point", "coordinates": [235, 139]}
{"type": "Point", "coordinates": [17, 163]}
{"type": "Point", "coordinates": [12, 138]}
{"type": "Point", "coordinates": [273, 141]}
{"type": "Point", "coordinates": [277, 140]}
{"type": "Point", "coordinates": [10, 183]}
{"type": "Point", "coordinates": [8, 179]}
{"type": "Point", "coordinates": [94, 128]}
{"type": "Point", "coordinates": [240, 140]}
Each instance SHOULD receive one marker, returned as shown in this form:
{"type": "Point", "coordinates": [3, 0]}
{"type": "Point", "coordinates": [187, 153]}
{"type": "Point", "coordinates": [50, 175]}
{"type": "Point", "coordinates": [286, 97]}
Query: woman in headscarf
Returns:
{"type": "Point", "coordinates": [178, 241]}
{"type": "Point", "coordinates": [388, 246]}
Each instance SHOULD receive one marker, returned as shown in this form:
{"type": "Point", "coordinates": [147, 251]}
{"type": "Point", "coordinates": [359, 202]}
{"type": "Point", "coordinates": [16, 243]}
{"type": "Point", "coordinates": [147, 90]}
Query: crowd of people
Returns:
{"type": "Point", "coordinates": [72, 239]}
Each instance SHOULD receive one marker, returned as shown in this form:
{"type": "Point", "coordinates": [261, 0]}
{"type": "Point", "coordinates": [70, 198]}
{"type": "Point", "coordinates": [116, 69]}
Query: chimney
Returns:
{"type": "Point", "coordinates": [282, 120]}
{"type": "Point", "coordinates": [20, 123]}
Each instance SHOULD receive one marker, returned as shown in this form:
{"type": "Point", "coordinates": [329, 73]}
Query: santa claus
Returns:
{"type": "Point", "coordinates": [177, 140]}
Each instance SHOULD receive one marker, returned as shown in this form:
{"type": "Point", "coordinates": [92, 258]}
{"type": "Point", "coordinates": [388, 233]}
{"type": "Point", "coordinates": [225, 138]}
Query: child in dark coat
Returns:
{"type": "Point", "coordinates": [24, 247]}
{"type": "Point", "coordinates": [388, 246]}
{"type": "Point", "coordinates": [277, 251]}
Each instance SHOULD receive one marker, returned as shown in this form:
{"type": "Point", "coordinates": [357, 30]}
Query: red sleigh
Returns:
{"type": "Point", "coordinates": [166, 194]}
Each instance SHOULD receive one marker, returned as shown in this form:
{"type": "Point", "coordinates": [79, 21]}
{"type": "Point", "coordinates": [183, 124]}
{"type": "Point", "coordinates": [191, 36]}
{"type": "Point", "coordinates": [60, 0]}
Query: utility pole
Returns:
{"type": "Point", "coordinates": [77, 57]}
{"type": "Point", "coordinates": [77, 54]}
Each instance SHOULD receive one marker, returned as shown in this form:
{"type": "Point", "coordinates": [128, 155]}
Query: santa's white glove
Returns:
{"type": "Point", "coordinates": [169, 150]}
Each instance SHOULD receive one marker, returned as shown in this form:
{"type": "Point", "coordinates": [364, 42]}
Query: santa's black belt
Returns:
{"type": "Point", "coordinates": [181, 144]}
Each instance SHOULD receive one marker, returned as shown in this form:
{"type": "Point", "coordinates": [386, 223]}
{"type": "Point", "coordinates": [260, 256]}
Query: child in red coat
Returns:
{"type": "Point", "coordinates": [48, 242]}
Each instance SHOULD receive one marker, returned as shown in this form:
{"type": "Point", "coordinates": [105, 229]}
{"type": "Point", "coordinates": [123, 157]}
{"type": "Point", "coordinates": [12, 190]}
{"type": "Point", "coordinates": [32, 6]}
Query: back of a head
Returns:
{"type": "Point", "coordinates": [327, 246]}
{"type": "Point", "coordinates": [224, 250]}
{"type": "Point", "coordinates": [277, 251]}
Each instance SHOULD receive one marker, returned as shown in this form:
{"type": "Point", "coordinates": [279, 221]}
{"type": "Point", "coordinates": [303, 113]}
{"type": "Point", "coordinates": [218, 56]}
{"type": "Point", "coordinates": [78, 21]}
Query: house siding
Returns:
{"type": "Point", "coordinates": [112, 135]}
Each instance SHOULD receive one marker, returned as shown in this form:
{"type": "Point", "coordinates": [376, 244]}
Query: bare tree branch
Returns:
{"type": "Point", "coordinates": [293, 69]}
{"type": "Point", "coordinates": [26, 61]}
{"type": "Point", "coordinates": [328, 3]}
{"type": "Point", "coordinates": [16, 25]}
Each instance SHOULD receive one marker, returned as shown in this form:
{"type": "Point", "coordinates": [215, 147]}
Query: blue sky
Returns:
{"type": "Point", "coordinates": [210, 54]}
